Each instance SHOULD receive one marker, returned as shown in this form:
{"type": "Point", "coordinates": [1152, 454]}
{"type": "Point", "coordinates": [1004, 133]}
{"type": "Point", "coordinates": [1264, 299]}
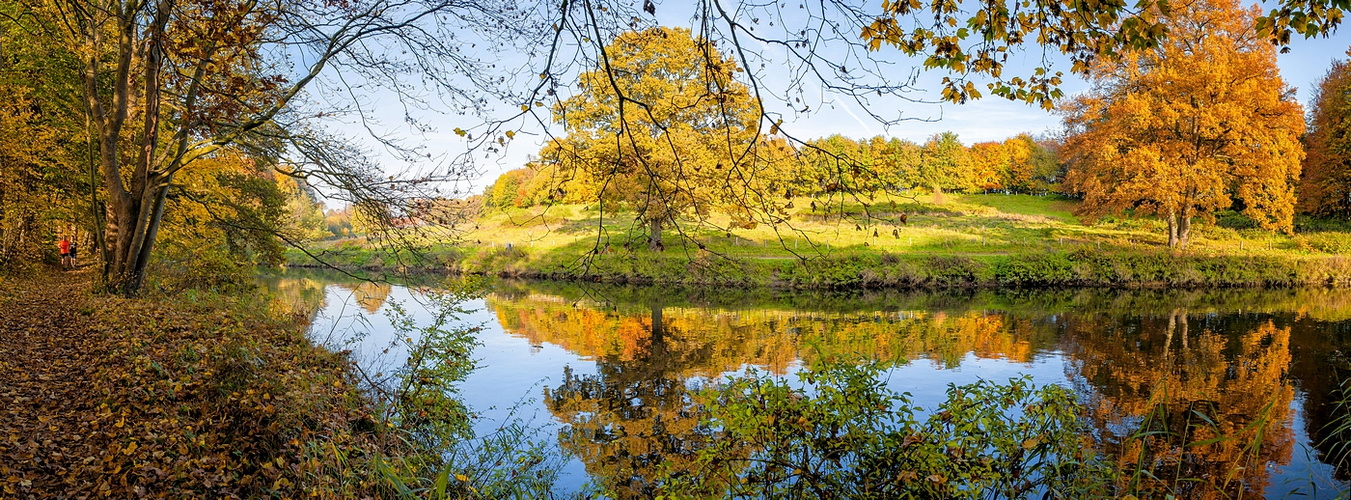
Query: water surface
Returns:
{"type": "Point", "coordinates": [608, 371]}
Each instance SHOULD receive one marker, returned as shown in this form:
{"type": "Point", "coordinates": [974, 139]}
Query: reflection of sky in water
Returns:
{"type": "Point", "coordinates": [512, 374]}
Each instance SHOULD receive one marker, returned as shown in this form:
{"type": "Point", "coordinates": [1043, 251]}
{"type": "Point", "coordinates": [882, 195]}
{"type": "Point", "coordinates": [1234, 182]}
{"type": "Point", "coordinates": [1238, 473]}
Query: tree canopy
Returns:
{"type": "Point", "coordinates": [665, 128]}
{"type": "Point", "coordinates": [1325, 187]}
{"type": "Point", "coordinates": [1197, 124]}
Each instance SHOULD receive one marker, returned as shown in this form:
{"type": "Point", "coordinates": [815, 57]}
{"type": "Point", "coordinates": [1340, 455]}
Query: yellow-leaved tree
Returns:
{"type": "Point", "coordinates": [665, 129]}
{"type": "Point", "coordinates": [1199, 123]}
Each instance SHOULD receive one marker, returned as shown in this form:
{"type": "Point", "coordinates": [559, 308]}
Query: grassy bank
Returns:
{"type": "Point", "coordinates": [946, 241]}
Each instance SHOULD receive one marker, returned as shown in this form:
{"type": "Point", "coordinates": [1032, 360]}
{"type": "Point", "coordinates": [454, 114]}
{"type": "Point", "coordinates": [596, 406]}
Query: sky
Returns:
{"type": "Point", "coordinates": [987, 119]}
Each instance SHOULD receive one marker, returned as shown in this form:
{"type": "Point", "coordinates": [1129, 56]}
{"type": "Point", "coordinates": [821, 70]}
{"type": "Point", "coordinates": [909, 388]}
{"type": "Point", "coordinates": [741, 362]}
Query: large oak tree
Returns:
{"type": "Point", "coordinates": [665, 127]}
{"type": "Point", "coordinates": [1189, 127]}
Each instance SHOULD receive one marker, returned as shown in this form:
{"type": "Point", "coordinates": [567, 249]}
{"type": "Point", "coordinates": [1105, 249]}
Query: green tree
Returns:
{"type": "Point", "coordinates": [946, 164]}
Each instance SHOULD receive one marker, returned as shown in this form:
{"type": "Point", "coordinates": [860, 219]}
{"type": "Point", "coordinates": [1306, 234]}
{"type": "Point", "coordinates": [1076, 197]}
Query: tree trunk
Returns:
{"type": "Point", "coordinates": [1172, 229]}
{"type": "Point", "coordinates": [1184, 329]}
{"type": "Point", "coordinates": [133, 203]}
{"type": "Point", "coordinates": [1184, 231]}
{"type": "Point", "coordinates": [654, 235]}
{"type": "Point", "coordinates": [657, 328]}
{"type": "Point", "coordinates": [1168, 338]}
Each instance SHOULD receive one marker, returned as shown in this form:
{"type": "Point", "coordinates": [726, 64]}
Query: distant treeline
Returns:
{"type": "Point", "coordinates": [834, 164]}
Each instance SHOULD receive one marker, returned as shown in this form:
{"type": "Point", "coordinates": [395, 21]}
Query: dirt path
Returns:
{"type": "Point", "coordinates": [48, 359]}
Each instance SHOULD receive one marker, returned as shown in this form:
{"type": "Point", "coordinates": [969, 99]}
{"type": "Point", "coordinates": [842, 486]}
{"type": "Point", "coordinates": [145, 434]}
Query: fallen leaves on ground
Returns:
{"type": "Point", "coordinates": [106, 397]}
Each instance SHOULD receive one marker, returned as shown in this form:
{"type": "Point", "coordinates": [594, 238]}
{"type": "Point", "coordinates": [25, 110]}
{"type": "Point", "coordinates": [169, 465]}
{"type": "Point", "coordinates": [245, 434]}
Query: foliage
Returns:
{"type": "Point", "coordinates": [196, 393]}
{"type": "Point", "coordinates": [824, 167]}
{"type": "Point", "coordinates": [1036, 270]}
{"type": "Point", "coordinates": [1171, 130]}
{"type": "Point", "coordinates": [44, 188]}
{"type": "Point", "coordinates": [946, 164]}
{"type": "Point", "coordinates": [844, 433]}
{"type": "Point", "coordinates": [1325, 187]}
{"type": "Point", "coordinates": [1337, 432]}
{"type": "Point", "coordinates": [32, 189]}
{"type": "Point", "coordinates": [973, 40]}
{"type": "Point", "coordinates": [444, 457]}
{"type": "Point", "coordinates": [230, 215]}
{"type": "Point", "coordinates": [661, 126]}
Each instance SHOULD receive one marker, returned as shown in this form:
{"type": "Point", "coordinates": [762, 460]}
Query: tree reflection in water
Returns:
{"type": "Point", "coordinates": [1157, 371]}
{"type": "Point", "coordinates": [1201, 402]}
{"type": "Point", "coordinates": [635, 419]}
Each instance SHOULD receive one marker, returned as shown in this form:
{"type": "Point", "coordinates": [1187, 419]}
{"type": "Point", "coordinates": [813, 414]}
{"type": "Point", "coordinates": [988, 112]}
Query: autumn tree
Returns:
{"type": "Point", "coordinates": [44, 185]}
{"type": "Point", "coordinates": [511, 189]}
{"type": "Point", "coordinates": [946, 164]}
{"type": "Point", "coordinates": [1194, 407]}
{"type": "Point", "coordinates": [1189, 127]}
{"type": "Point", "coordinates": [836, 164]}
{"type": "Point", "coordinates": [228, 214]}
{"type": "Point", "coordinates": [990, 164]}
{"type": "Point", "coordinates": [1325, 187]}
{"type": "Point", "coordinates": [896, 162]}
{"type": "Point", "coordinates": [665, 127]}
{"type": "Point", "coordinates": [1032, 168]}
{"type": "Point", "coordinates": [169, 84]}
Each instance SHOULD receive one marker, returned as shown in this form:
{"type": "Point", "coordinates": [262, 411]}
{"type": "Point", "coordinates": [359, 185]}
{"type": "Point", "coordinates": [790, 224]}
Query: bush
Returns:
{"type": "Point", "coordinates": [952, 271]}
{"type": "Point", "coordinates": [1330, 243]}
{"type": "Point", "coordinates": [1234, 220]}
{"type": "Point", "coordinates": [844, 434]}
{"type": "Point", "coordinates": [1035, 270]}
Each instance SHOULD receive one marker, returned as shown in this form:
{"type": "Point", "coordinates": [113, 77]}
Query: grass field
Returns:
{"type": "Point", "coordinates": [561, 241]}
{"type": "Point", "coordinates": [952, 224]}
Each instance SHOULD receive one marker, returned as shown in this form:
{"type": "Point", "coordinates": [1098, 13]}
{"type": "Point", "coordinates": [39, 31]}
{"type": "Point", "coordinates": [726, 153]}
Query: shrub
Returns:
{"type": "Point", "coordinates": [1037, 270]}
{"type": "Point", "coordinates": [1331, 243]}
{"type": "Point", "coordinates": [952, 271]}
{"type": "Point", "coordinates": [844, 434]}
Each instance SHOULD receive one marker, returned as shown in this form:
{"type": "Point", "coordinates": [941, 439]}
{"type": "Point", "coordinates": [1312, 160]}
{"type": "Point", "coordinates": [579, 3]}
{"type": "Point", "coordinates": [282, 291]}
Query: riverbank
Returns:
{"type": "Point", "coordinates": [1081, 267]}
{"type": "Point", "coordinates": [191, 395]}
{"type": "Point", "coordinates": [951, 241]}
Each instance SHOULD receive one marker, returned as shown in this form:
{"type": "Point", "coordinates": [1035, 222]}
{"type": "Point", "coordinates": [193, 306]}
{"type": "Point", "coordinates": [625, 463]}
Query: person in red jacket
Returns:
{"type": "Point", "coordinates": [64, 246]}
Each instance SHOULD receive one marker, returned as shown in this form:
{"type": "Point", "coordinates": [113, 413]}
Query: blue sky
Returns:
{"type": "Point", "coordinates": [985, 119]}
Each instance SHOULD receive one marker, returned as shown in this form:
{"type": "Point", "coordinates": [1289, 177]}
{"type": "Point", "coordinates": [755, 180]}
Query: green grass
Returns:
{"type": "Point", "coordinates": [947, 240]}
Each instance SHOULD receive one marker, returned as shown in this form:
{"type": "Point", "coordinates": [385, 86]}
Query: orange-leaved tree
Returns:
{"type": "Point", "coordinates": [1326, 186]}
{"type": "Point", "coordinates": [1201, 122]}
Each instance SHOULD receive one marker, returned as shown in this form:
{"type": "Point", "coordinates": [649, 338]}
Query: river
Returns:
{"type": "Point", "coordinates": [578, 362]}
